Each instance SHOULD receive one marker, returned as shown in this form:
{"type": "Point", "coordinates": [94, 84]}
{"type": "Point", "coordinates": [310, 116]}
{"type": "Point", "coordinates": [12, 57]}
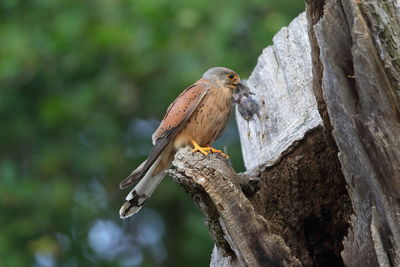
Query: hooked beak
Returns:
{"type": "Point", "coordinates": [236, 80]}
{"type": "Point", "coordinates": [235, 83]}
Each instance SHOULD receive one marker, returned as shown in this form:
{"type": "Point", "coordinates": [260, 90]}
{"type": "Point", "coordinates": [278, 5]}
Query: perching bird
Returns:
{"type": "Point", "coordinates": [197, 117]}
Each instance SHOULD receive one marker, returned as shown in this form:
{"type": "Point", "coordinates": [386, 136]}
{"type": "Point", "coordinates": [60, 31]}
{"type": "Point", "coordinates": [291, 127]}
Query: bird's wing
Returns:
{"type": "Point", "coordinates": [181, 109]}
{"type": "Point", "coordinates": [175, 118]}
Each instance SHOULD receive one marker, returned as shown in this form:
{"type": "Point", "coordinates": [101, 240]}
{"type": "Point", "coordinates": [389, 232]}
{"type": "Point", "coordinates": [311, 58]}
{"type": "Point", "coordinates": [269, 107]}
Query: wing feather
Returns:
{"type": "Point", "coordinates": [175, 118]}
{"type": "Point", "coordinates": [181, 109]}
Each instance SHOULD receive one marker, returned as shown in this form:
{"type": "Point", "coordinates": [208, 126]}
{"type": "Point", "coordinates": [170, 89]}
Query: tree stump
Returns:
{"type": "Point", "coordinates": [322, 186]}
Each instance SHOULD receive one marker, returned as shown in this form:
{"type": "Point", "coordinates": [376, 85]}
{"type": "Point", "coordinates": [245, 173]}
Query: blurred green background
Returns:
{"type": "Point", "coordinates": [83, 84]}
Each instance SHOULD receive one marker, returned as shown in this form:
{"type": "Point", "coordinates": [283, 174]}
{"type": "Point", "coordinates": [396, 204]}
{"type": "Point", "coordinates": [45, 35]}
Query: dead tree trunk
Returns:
{"type": "Point", "coordinates": [322, 186]}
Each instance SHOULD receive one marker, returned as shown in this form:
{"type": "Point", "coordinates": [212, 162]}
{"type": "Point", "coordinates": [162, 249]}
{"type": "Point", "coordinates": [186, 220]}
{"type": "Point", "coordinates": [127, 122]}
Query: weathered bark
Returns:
{"type": "Point", "coordinates": [329, 94]}
{"type": "Point", "coordinates": [237, 228]}
{"type": "Point", "coordinates": [361, 91]}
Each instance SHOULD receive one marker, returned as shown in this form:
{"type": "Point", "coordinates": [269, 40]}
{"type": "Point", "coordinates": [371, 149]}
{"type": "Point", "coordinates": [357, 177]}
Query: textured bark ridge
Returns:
{"type": "Point", "coordinates": [322, 186]}
{"type": "Point", "coordinates": [361, 91]}
{"type": "Point", "coordinates": [238, 230]}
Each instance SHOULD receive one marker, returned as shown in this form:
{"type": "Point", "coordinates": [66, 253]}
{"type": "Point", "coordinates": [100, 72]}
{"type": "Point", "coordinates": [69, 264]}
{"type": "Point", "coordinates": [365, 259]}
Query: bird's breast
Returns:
{"type": "Point", "coordinates": [208, 120]}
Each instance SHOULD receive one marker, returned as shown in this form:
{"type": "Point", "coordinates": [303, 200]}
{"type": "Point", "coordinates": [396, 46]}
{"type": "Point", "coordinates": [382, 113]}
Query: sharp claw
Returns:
{"type": "Point", "coordinates": [196, 148]}
{"type": "Point", "coordinates": [213, 150]}
{"type": "Point", "coordinates": [207, 150]}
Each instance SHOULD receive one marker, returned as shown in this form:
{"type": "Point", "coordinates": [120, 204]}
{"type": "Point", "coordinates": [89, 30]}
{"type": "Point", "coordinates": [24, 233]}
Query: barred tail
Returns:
{"type": "Point", "coordinates": [142, 191]}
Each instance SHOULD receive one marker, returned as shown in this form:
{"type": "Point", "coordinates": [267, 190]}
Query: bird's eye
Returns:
{"type": "Point", "coordinates": [231, 76]}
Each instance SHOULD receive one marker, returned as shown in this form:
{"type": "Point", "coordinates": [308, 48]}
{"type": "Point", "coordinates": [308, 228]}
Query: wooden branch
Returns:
{"type": "Point", "coordinates": [231, 216]}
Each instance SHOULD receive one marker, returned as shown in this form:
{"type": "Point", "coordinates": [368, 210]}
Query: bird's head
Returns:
{"type": "Point", "coordinates": [224, 77]}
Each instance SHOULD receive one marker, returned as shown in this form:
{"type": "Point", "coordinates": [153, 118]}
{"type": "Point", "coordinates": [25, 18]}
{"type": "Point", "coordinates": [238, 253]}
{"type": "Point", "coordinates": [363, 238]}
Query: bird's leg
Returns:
{"type": "Point", "coordinates": [207, 149]}
{"type": "Point", "coordinates": [197, 147]}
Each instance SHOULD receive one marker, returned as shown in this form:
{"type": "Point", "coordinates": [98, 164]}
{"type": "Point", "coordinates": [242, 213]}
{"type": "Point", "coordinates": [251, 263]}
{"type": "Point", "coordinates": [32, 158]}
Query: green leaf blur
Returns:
{"type": "Point", "coordinates": [83, 84]}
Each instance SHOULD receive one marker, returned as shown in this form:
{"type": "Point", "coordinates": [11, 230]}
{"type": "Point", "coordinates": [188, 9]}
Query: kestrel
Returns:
{"type": "Point", "coordinates": [197, 117]}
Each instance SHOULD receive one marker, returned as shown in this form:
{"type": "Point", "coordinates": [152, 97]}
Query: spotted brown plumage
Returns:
{"type": "Point", "coordinates": [197, 117]}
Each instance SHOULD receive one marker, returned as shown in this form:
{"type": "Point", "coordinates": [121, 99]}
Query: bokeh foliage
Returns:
{"type": "Point", "coordinates": [83, 84]}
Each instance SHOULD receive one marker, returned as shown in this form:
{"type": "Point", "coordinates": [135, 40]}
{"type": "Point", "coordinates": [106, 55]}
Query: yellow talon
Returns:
{"type": "Point", "coordinates": [207, 150]}
{"type": "Point", "coordinates": [196, 148]}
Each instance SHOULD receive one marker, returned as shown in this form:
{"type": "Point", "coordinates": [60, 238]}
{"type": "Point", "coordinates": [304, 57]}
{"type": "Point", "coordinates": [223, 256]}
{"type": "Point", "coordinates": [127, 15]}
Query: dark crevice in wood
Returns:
{"type": "Point", "coordinates": [319, 235]}
{"type": "Point", "coordinates": [314, 12]}
{"type": "Point", "coordinates": [306, 184]}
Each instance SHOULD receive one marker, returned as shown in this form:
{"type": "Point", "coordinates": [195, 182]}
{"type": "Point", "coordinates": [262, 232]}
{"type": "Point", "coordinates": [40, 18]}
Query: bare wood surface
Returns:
{"type": "Point", "coordinates": [361, 92]}
{"type": "Point", "coordinates": [282, 83]}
